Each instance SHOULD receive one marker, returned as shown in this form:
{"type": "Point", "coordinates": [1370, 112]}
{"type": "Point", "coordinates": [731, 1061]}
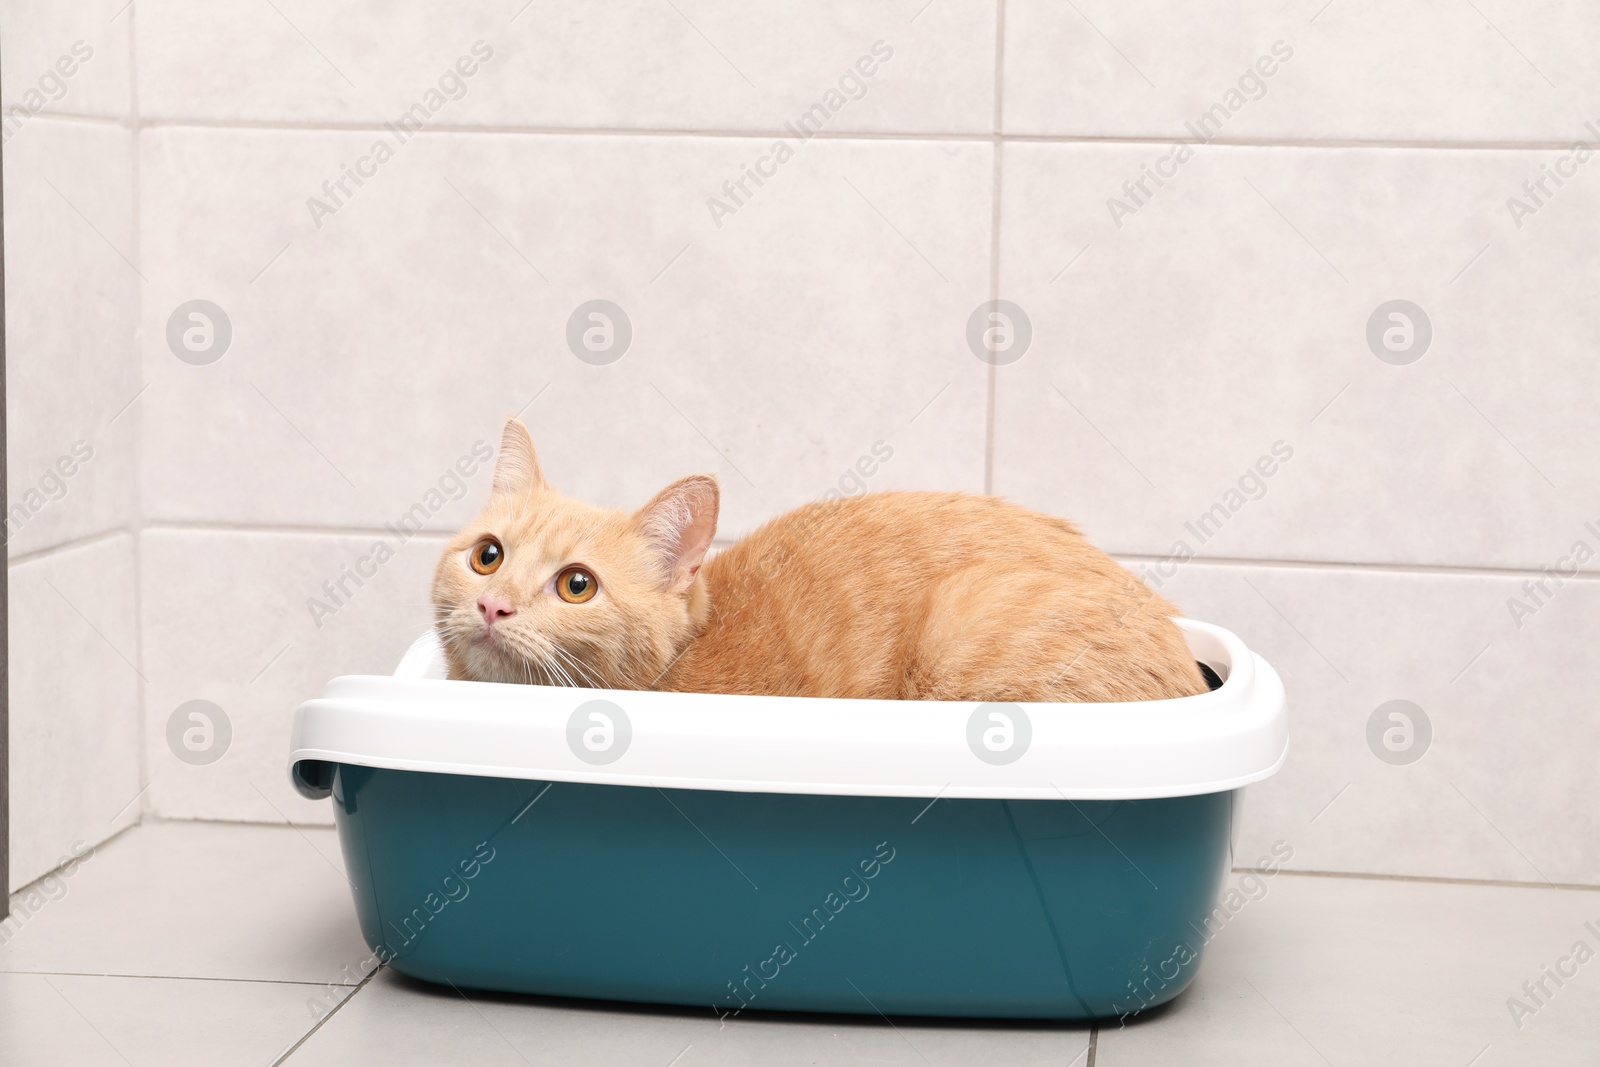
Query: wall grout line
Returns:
{"type": "Point", "coordinates": [94, 850]}
{"type": "Point", "coordinates": [755, 133]}
{"type": "Point", "coordinates": [1153, 139]}
{"type": "Point", "coordinates": [1456, 570]}
{"type": "Point", "coordinates": [1428, 879]}
{"type": "Point", "coordinates": [1375, 143]}
{"type": "Point", "coordinates": [69, 116]}
{"type": "Point", "coordinates": [992, 377]}
{"type": "Point", "coordinates": [142, 705]}
{"type": "Point", "coordinates": [85, 541]}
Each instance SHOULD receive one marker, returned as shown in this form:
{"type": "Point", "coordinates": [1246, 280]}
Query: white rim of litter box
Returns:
{"type": "Point", "coordinates": [418, 721]}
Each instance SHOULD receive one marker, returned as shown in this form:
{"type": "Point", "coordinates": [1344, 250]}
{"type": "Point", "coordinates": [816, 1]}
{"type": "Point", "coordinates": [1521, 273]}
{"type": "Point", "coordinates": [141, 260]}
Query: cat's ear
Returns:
{"type": "Point", "coordinates": [680, 523]}
{"type": "Point", "coordinates": [517, 468]}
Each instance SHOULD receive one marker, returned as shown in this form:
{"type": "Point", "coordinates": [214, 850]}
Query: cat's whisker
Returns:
{"type": "Point", "coordinates": [588, 675]}
{"type": "Point", "coordinates": [560, 662]}
{"type": "Point", "coordinates": [567, 675]}
{"type": "Point", "coordinates": [525, 663]}
{"type": "Point", "coordinates": [537, 659]}
{"type": "Point", "coordinates": [594, 677]}
{"type": "Point", "coordinates": [567, 679]}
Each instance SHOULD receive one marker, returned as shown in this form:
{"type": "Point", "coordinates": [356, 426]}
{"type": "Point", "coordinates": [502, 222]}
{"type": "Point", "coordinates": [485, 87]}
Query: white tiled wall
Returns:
{"type": "Point", "coordinates": [1230, 313]}
{"type": "Point", "coordinates": [74, 701]}
{"type": "Point", "coordinates": [72, 300]}
{"type": "Point", "coordinates": [1430, 71]}
{"type": "Point", "coordinates": [1363, 153]}
{"type": "Point", "coordinates": [630, 65]}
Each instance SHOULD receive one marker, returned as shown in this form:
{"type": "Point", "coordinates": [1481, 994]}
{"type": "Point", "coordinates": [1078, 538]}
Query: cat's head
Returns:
{"type": "Point", "coordinates": [542, 588]}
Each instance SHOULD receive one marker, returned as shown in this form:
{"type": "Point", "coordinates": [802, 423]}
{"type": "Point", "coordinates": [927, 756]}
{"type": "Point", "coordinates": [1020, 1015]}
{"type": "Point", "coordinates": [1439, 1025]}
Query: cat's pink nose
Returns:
{"type": "Point", "coordinates": [495, 608]}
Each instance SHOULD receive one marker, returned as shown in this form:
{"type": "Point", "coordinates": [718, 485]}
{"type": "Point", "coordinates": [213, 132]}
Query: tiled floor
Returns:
{"type": "Point", "coordinates": [202, 943]}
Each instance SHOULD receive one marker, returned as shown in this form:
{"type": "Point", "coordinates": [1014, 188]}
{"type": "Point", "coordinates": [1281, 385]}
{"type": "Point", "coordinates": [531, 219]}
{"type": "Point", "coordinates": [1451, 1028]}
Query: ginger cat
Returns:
{"type": "Point", "coordinates": [904, 596]}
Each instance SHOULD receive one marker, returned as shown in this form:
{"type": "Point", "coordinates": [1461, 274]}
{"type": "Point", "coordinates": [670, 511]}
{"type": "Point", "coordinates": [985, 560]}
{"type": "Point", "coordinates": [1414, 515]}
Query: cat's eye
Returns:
{"type": "Point", "coordinates": [486, 556]}
{"type": "Point", "coordinates": [575, 585]}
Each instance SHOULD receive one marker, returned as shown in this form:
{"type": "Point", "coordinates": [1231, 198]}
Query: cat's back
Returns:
{"type": "Point", "coordinates": [907, 531]}
{"type": "Point", "coordinates": [883, 554]}
{"type": "Point", "coordinates": [928, 595]}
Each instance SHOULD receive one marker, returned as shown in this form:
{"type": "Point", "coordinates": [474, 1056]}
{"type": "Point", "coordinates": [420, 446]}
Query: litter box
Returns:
{"type": "Point", "coordinates": [738, 853]}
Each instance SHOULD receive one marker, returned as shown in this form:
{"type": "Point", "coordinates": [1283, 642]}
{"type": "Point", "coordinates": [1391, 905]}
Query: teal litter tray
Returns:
{"type": "Point", "coordinates": [1054, 861]}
